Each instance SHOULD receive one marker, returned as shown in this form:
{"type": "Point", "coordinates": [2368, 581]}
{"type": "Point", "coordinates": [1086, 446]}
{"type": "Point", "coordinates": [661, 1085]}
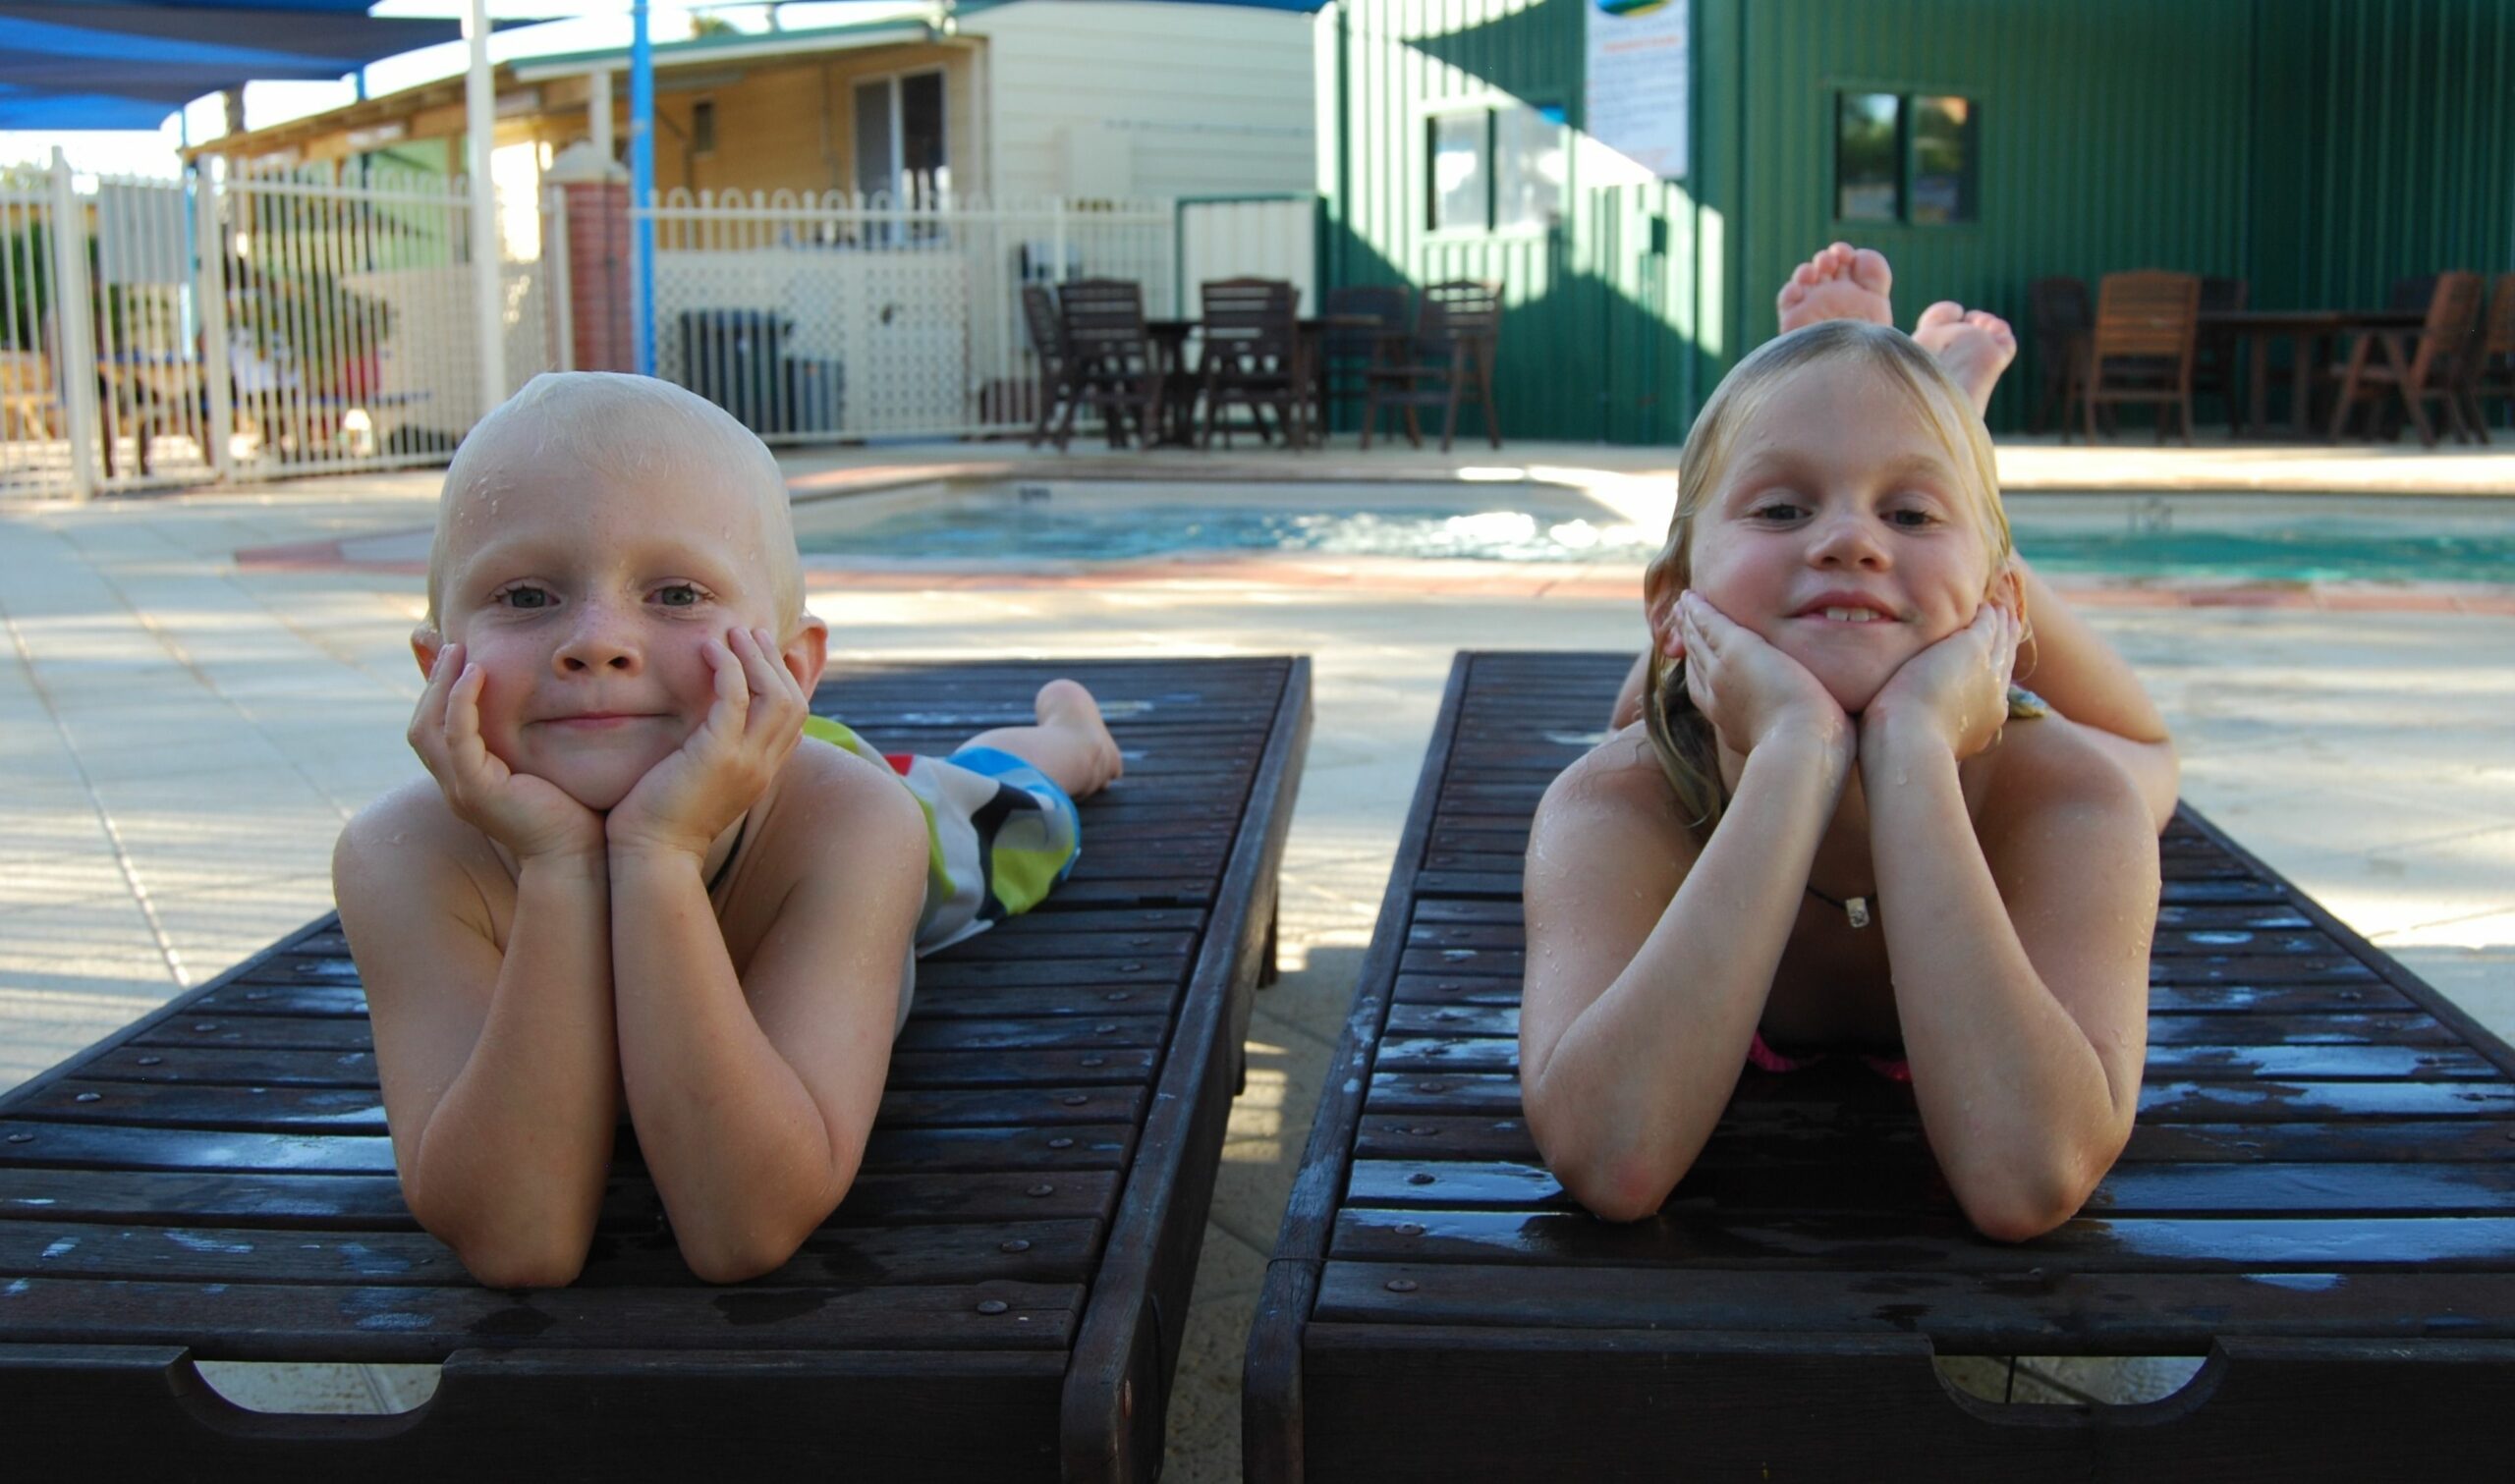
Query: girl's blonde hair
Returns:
{"type": "Point", "coordinates": [1680, 735]}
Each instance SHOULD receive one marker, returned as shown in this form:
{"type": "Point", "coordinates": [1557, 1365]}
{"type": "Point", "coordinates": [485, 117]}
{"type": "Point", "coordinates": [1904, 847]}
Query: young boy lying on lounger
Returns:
{"type": "Point", "coordinates": [625, 882]}
{"type": "Point", "coordinates": [1839, 826]}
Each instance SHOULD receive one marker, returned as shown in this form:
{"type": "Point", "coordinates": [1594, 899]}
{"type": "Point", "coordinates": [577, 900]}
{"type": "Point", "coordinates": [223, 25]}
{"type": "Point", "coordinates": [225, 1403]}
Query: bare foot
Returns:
{"type": "Point", "coordinates": [1841, 282]}
{"type": "Point", "coordinates": [1068, 710]}
{"type": "Point", "coordinates": [1974, 346]}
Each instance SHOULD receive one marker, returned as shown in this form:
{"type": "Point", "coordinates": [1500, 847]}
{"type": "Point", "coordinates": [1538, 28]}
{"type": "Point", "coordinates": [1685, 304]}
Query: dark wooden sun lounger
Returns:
{"type": "Point", "coordinates": [1001, 1296]}
{"type": "Point", "coordinates": [2319, 1198]}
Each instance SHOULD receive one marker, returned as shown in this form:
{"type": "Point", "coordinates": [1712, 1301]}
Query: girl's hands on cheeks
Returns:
{"type": "Point", "coordinates": [690, 798]}
{"type": "Point", "coordinates": [1954, 693]}
{"type": "Point", "coordinates": [529, 816]}
{"type": "Point", "coordinates": [1753, 693]}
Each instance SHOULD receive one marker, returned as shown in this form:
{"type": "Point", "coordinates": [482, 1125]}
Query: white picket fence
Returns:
{"type": "Point", "coordinates": [159, 332]}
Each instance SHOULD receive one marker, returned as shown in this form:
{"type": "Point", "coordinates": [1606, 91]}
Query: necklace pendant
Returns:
{"type": "Point", "coordinates": [1857, 909]}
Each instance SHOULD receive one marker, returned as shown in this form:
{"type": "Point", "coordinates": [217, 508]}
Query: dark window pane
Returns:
{"type": "Point", "coordinates": [1460, 172]}
{"type": "Point", "coordinates": [703, 126]}
{"type": "Point", "coordinates": [1866, 184]}
{"type": "Point", "coordinates": [1943, 159]}
{"type": "Point", "coordinates": [874, 138]}
{"type": "Point", "coordinates": [921, 156]}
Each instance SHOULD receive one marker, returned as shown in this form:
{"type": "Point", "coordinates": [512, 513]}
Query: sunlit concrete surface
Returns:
{"type": "Point", "coordinates": [182, 733]}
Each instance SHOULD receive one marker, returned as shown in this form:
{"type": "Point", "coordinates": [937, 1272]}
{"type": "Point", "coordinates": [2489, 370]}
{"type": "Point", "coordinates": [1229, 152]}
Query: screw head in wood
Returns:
{"type": "Point", "coordinates": [1400, 1285]}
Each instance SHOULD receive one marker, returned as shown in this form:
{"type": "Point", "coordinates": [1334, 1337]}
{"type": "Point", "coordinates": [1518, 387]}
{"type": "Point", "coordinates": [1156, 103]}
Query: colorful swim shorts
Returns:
{"type": "Point", "coordinates": [999, 833]}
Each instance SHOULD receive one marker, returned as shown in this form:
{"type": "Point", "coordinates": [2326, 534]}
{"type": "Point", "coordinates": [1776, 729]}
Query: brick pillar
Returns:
{"type": "Point", "coordinates": [598, 274]}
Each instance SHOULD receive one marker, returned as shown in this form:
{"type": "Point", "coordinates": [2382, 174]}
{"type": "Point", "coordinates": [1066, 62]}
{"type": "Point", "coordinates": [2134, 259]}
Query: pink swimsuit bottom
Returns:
{"type": "Point", "coordinates": [1763, 1056]}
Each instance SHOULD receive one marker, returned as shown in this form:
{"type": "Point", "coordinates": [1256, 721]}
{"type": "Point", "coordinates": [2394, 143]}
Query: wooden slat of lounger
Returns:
{"type": "Point", "coordinates": [279, 1322]}
{"type": "Point", "coordinates": [217, 1178]}
{"type": "Point", "coordinates": [1035, 1250]}
{"type": "Point", "coordinates": [2175, 1313]}
{"type": "Point", "coordinates": [2313, 1119]}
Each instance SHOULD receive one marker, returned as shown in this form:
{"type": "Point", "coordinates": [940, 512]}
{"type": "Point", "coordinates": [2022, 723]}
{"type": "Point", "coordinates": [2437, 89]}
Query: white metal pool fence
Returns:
{"type": "Point", "coordinates": [170, 331]}
{"type": "Point", "coordinates": [319, 320]}
{"type": "Point", "coordinates": [839, 316]}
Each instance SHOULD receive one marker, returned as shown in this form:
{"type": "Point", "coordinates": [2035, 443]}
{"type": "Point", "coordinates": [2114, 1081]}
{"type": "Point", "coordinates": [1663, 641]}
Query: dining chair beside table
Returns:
{"type": "Point", "coordinates": [1314, 333]}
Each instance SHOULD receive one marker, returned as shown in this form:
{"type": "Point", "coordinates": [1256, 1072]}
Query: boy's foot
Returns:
{"type": "Point", "coordinates": [1068, 710]}
{"type": "Point", "coordinates": [1841, 282]}
{"type": "Point", "coordinates": [1974, 346]}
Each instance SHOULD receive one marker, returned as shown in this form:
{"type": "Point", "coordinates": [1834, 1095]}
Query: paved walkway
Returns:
{"type": "Point", "coordinates": [182, 733]}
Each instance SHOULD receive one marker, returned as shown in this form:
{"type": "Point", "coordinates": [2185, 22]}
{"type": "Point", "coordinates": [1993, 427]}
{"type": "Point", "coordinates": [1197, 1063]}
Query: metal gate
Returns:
{"type": "Point", "coordinates": [157, 332]}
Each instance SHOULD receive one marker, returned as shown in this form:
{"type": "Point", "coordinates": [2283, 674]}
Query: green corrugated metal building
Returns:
{"type": "Point", "coordinates": [2318, 149]}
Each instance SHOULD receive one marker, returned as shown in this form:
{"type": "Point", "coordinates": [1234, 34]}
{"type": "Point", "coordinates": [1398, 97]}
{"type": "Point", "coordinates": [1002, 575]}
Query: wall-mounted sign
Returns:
{"type": "Point", "coordinates": [1638, 75]}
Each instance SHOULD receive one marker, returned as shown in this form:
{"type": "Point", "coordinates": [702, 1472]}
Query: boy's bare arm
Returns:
{"type": "Point", "coordinates": [753, 1096]}
{"type": "Point", "coordinates": [500, 1069]}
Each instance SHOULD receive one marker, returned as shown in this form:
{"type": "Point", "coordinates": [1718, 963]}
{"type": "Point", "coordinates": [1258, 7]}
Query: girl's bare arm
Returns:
{"type": "Point", "coordinates": [1646, 970]}
{"type": "Point", "coordinates": [2088, 681]}
{"type": "Point", "coordinates": [2019, 959]}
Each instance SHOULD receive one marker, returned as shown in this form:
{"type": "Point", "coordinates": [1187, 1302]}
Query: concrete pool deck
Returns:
{"type": "Point", "coordinates": [182, 733]}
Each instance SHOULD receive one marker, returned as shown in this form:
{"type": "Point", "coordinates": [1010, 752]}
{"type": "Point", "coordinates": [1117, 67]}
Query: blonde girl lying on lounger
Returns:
{"type": "Point", "coordinates": [1838, 824]}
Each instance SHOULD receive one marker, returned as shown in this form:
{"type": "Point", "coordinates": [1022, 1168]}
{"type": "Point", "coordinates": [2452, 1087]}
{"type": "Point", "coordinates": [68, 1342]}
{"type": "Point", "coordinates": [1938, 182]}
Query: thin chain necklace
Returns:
{"type": "Point", "coordinates": [1855, 909]}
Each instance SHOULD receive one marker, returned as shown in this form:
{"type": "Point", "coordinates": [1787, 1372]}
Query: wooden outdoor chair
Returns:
{"type": "Point", "coordinates": [1347, 349]}
{"type": "Point", "coordinates": [1251, 357]}
{"type": "Point", "coordinates": [2319, 1197]}
{"type": "Point", "coordinates": [1056, 361]}
{"type": "Point", "coordinates": [1115, 368]}
{"type": "Point", "coordinates": [1458, 328]}
{"type": "Point", "coordinates": [2063, 320]}
{"type": "Point", "coordinates": [1001, 1296]}
{"type": "Point", "coordinates": [2491, 369]}
{"type": "Point", "coordinates": [2141, 347]}
{"type": "Point", "coordinates": [2215, 351]}
{"type": "Point", "coordinates": [2415, 368]}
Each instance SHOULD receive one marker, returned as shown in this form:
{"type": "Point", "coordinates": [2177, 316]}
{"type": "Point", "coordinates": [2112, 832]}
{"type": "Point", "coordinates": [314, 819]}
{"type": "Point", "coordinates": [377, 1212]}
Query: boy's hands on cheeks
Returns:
{"type": "Point", "coordinates": [1953, 694]}
{"type": "Point", "coordinates": [688, 799]}
{"type": "Point", "coordinates": [1751, 692]}
{"type": "Point", "coordinates": [532, 817]}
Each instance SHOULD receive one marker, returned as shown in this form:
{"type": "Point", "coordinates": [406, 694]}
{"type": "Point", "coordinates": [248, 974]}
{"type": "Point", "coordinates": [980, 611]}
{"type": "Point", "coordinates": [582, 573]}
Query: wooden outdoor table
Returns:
{"type": "Point", "coordinates": [1001, 1295]}
{"type": "Point", "coordinates": [1170, 338]}
{"type": "Point", "coordinates": [2319, 1197]}
{"type": "Point", "coordinates": [2309, 332]}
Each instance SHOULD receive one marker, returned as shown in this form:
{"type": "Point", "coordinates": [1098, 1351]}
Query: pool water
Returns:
{"type": "Point", "coordinates": [960, 530]}
{"type": "Point", "coordinates": [2187, 539]}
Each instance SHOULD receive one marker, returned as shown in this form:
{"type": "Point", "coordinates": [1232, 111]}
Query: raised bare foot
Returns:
{"type": "Point", "coordinates": [1064, 707]}
{"type": "Point", "coordinates": [1974, 346]}
{"type": "Point", "coordinates": [1841, 282]}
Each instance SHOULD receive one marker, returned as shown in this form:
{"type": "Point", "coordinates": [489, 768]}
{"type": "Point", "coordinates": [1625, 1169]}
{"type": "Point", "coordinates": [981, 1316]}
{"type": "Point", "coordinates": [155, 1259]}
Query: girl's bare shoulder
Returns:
{"type": "Point", "coordinates": [2050, 764]}
{"type": "Point", "coordinates": [1617, 786]}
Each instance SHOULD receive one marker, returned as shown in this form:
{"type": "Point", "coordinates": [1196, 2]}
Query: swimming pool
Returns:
{"type": "Point", "coordinates": [2129, 538]}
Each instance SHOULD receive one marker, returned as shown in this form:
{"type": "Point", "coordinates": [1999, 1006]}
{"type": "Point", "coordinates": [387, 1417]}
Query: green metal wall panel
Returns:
{"type": "Point", "coordinates": [2319, 148]}
{"type": "Point", "coordinates": [1598, 326]}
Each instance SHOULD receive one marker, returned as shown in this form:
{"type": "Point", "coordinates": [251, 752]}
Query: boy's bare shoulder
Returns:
{"type": "Point", "coordinates": [834, 808]}
{"type": "Point", "coordinates": [409, 828]}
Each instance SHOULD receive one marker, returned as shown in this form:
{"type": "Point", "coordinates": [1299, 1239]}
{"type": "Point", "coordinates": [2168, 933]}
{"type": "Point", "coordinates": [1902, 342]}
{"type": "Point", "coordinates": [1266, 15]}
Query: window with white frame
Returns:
{"type": "Point", "coordinates": [1494, 168]}
{"type": "Point", "coordinates": [900, 145]}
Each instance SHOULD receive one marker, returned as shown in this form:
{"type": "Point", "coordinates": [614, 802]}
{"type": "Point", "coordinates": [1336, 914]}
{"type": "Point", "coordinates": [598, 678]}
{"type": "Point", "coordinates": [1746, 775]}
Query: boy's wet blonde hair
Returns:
{"type": "Point", "coordinates": [1682, 737]}
{"type": "Point", "coordinates": [629, 427]}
